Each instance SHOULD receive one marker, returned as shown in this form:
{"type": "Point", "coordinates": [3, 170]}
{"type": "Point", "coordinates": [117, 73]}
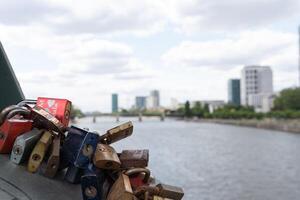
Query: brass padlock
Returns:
{"type": "Point", "coordinates": [160, 191]}
{"type": "Point", "coordinates": [138, 177]}
{"type": "Point", "coordinates": [160, 198]}
{"type": "Point", "coordinates": [46, 120]}
{"type": "Point", "coordinates": [117, 133]}
{"type": "Point", "coordinates": [106, 157]}
{"type": "Point", "coordinates": [134, 158]}
{"type": "Point", "coordinates": [168, 191]}
{"type": "Point", "coordinates": [144, 192]}
{"type": "Point", "coordinates": [121, 189]}
{"type": "Point", "coordinates": [53, 160]}
{"type": "Point", "coordinates": [24, 145]}
{"type": "Point", "coordinates": [39, 152]}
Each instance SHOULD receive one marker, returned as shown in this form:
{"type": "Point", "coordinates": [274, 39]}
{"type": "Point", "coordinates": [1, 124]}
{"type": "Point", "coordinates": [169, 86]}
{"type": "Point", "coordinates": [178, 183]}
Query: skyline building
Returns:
{"type": "Point", "coordinates": [140, 102]}
{"type": "Point", "coordinates": [153, 101]}
{"type": "Point", "coordinates": [114, 103]}
{"type": "Point", "coordinates": [234, 92]}
{"type": "Point", "coordinates": [256, 84]}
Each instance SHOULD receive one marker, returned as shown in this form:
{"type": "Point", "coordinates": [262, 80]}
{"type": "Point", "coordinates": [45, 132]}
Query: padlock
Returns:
{"type": "Point", "coordinates": [71, 146]}
{"type": "Point", "coordinates": [5, 112]}
{"type": "Point", "coordinates": [10, 130]}
{"type": "Point", "coordinates": [21, 112]}
{"type": "Point", "coordinates": [121, 189]}
{"type": "Point", "coordinates": [146, 192]}
{"type": "Point", "coordinates": [93, 184]}
{"type": "Point", "coordinates": [24, 145]}
{"type": "Point", "coordinates": [54, 158]}
{"type": "Point", "coordinates": [60, 108]}
{"type": "Point", "coordinates": [171, 192]}
{"type": "Point", "coordinates": [86, 150]}
{"type": "Point", "coordinates": [45, 120]}
{"type": "Point", "coordinates": [138, 177]}
{"type": "Point", "coordinates": [39, 152]}
{"type": "Point", "coordinates": [134, 158]}
{"type": "Point", "coordinates": [161, 190]}
{"type": "Point", "coordinates": [117, 133]}
{"type": "Point", "coordinates": [106, 157]}
{"type": "Point", "coordinates": [91, 189]}
{"type": "Point", "coordinates": [73, 174]}
{"type": "Point", "coordinates": [160, 198]}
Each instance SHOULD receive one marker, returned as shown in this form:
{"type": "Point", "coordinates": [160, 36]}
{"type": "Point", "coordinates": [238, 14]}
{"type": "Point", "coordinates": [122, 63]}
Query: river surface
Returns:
{"type": "Point", "coordinates": [215, 162]}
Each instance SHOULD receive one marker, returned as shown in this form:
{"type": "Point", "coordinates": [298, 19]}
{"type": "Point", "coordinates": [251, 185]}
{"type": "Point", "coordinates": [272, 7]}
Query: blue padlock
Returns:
{"type": "Point", "coordinates": [73, 174]}
{"type": "Point", "coordinates": [86, 151]}
{"type": "Point", "coordinates": [71, 146]}
{"type": "Point", "coordinates": [94, 184]}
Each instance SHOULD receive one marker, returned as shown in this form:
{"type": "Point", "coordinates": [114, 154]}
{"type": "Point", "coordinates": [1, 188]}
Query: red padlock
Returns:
{"type": "Point", "coordinates": [60, 108]}
{"type": "Point", "coordinates": [10, 130]}
{"type": "Point", "coordinates": [138, 177]}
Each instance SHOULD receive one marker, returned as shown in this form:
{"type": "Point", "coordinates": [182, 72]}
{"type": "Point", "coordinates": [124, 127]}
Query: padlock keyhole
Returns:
{"type": "Point", "coordinates": [36, 157]}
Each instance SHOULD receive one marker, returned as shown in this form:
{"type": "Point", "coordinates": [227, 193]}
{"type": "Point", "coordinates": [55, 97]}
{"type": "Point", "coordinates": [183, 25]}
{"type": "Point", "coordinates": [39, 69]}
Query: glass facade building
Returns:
{"type": "Point", "coordinates": [234, 92]}
{"type": "Point", "coordinates": [114, 103]}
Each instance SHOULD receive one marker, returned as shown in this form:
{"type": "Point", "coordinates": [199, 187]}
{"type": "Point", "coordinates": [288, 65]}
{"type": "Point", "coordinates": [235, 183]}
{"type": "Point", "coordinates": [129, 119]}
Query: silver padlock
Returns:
{"type": "Point", "coordinates": [24, 145]}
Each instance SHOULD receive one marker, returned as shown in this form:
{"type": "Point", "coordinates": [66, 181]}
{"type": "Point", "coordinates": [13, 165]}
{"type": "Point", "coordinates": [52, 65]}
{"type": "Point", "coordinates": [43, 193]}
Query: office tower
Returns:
{"type": "Point", "coordinates": [114, 103]}
{"type": "Point", "coordinates": [140, 102]}
{"type": "Point", "coordinates": [256, 83]}
{"type": "Point", "coordinates": [153, 101]}
{"type": "Point", "coordinates": [156, 100]}
{"type": "Point", "coordinates": [234, 96]}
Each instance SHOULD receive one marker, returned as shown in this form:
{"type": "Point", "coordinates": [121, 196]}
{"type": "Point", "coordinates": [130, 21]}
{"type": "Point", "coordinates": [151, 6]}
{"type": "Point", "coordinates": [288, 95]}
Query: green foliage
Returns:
{"type": "Point", "coordinates": [286, 106]}
{"type": "Point", "coordinates": [289, 99]}
{"type": "Point", "coordinates": [236, 112]}
{"type": "Point", "coordinates": [76, 112]}
{"type": "Point", "coordinates": [187, 109]}
{"type": "Point", "coordinates": [286, 114]}
{"type": "Point", "coordinates": [199, 111]}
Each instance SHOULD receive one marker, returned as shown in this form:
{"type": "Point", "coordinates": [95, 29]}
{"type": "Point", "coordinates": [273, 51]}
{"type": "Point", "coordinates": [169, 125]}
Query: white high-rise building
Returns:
{"type": "Point", "coordinates": [153, 101]}
{"type": "Point", "coordinates": [256, 84]}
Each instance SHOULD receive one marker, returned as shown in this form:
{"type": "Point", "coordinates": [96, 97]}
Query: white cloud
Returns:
{"type": "Point", "coordinates": [83, 68]}
{"type": "Point", "coordinates": [249, 47]}
{"type": "Point", "coordinates": [80, 17]}
{"type": "Point", "coordinates": [200, 15]}
{"type": "Point", "coordinates": [277, 49]}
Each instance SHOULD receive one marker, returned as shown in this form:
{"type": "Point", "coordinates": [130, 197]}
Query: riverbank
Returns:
{"type": "Point", "coordinates": [287, 125]}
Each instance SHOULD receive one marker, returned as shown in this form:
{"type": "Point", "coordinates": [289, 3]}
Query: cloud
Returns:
{"type": "Point", "coordinates": [249, 47]}
{"type": "Point", "coordinates": [110, 16]}
{"type": "Point", "coordinates": [200, 15]}
{"type": "Point", "coordinates": [264, 47]}
{"type": "Point", "coordinates": [144, 18]}
{"type": "Point", "coordinates": [81, 17]}
{"type": "Point", "coordinates": [14, 12]}
{"type": "Point", "coordinates": [83, 68]}
{"type": "Point", "coordinates": [77, 54]}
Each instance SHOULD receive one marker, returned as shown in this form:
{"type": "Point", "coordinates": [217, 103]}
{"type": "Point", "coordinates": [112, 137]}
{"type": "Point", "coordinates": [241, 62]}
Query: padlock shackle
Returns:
{"type": "Point", "coordinates": [133, 171]}
{"type": "Point", "coordinates": [27, 101]}
{"type": "Point", "coordinates": [18, 111]}
{"type": "Point", "coordinates": [6, 111]}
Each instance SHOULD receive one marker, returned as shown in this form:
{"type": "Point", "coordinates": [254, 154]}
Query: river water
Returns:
{"type": "Point", "coordinates": [215, 162]}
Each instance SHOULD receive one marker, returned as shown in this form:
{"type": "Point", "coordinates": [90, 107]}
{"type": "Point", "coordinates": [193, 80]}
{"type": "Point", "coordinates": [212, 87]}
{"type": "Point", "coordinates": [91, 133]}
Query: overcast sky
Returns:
{"type": "Point", "coordinates": [86, 50]}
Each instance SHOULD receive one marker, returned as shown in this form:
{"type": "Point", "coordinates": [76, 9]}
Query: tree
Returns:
{"type": "Point", "coordinates": [206, 108]}
{"type": "Point", "coordinates": [187, 109]}
{"type": "Point", "coordinates": [289, 99]}
{"type": "Point", "coordinates": [76, 112]}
